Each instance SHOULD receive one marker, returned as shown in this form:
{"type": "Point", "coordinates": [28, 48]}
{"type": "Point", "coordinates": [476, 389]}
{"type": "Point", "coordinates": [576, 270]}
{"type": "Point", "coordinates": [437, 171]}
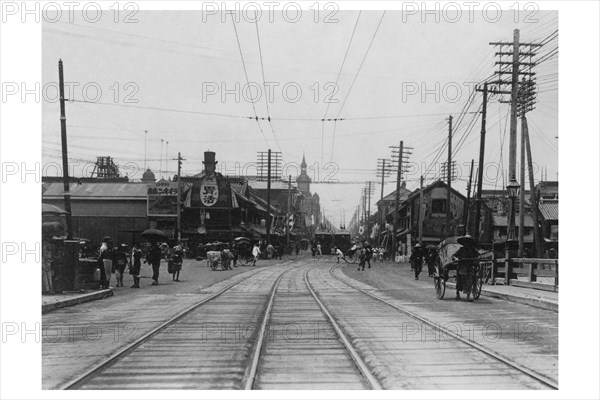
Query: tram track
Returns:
{"type": "Point", "coordinates": [175, 355]}
{"type": "Point", "coordinates": [540, 378]}
{"type": "Point", "coordinates": [103, 376]}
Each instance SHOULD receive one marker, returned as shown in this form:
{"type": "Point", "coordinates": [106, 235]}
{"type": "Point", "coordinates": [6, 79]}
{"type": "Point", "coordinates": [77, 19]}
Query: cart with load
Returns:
{"type": "Point", "coordinates": [446, 267]}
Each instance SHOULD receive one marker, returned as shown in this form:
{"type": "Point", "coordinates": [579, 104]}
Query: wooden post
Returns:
{"type": "Point", "coordinates": [65, 159]}
{"type": "Point", "coordinates": [468, 203]}
{"type": "Point", "coordinates": [449, 176]}
{"type": "Point", "coordinates": [269, 199]}
{"type": "Point", "coordinates": [522, 192]}
{"type": "Point", "coordinates": [421, 212]}
{"type": "Point", "coordinates": [537, 234]}
{"type": "Point", "coordinates": [480, 166]}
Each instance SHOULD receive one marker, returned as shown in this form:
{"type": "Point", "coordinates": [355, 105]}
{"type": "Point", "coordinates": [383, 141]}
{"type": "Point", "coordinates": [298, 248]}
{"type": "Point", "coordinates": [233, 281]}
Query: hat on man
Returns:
{"type": "Point", "coordinates": [466, 240]}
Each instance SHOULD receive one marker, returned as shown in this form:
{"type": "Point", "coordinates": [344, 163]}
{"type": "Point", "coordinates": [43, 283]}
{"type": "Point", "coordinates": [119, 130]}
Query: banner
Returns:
{"type": "Point", "coordinates": [162, 199]}
{"type": "Point", "coordinates": [210, 192]}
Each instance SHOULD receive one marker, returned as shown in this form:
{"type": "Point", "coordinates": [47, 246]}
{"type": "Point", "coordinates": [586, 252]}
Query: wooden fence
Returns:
{"type": "Point", "coordinates": [526, 272]}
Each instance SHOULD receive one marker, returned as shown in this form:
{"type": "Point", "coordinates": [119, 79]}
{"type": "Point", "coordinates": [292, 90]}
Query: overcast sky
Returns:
{"type": "Point", "coordinates": [170, 60]}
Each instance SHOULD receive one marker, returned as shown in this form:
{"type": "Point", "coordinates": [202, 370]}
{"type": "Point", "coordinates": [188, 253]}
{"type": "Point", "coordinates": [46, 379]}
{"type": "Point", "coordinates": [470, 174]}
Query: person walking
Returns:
{"type": "Point", "coordinates": [153, 258]}
{"type": "Point", "coordinates": [368, 253]}
{"type": "Point", "coordinates": [465, 256]}
{"type": "Point", "coordinates": [176, 262]}
{"type": "Point", "coordinates": [416, 260]}
{"type": "Point", "coordinates": [297, 248]}
{"type": "Point", "coordinates": [105, 261]}
{"type": "Point", "coordinates": [120, 264]}
{"type": "Point", "coordinates": [319, 252]}
{"type": "Point", "coordinates": [135, 265]}
{"type": "Point", "coordinates": [361, 259]}
{"type": "Point", "coordinates": [430, 257]}
{"type": "Point", "coordinates": [255, 253]}
{"type": "Point", "coordinates": [339, 255]}
{"type": "Point", "coordinates": [270, 250]}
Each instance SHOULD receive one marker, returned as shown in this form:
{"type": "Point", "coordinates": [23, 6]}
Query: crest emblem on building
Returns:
{"type": "Point", "coordinates": [209, 192]}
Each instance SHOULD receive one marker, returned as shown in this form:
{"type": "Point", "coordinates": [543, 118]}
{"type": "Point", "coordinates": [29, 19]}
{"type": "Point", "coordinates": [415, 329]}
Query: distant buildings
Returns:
{"type": "Point", "coordinates": [214, 207]}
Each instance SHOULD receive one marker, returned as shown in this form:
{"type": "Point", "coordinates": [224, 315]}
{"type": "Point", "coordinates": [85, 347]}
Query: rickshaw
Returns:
{"type": "Point", "coordinates": [219, 255]}
{"type": "Point", "coordinates": [444, 265]}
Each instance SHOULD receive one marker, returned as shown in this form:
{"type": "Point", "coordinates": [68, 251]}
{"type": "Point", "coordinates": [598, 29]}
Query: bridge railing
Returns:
{"type": "Point", "coordinates": [537, 273]}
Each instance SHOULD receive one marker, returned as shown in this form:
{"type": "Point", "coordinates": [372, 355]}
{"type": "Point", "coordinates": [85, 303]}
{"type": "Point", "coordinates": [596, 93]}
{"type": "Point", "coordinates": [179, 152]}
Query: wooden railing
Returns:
{"type": "Point", "coordinates": [525, 272]}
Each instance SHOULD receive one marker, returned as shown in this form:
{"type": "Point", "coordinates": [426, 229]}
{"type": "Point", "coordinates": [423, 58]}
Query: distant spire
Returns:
{"type": "Point", "coordinates": [303, 164]}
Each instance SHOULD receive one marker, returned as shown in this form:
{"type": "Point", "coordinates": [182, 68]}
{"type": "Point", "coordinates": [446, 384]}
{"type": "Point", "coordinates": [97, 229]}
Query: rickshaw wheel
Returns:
{"type": "Point", "coordinates": [439, 282]}
{"type": "Point", "coordinates": [214, 265]}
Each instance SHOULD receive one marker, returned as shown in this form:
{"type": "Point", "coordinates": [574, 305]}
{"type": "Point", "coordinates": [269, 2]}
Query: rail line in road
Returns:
{"type": "Point", "coordinates": [542, 379]}
{"type": "Point", "coordinates": [186, 353]}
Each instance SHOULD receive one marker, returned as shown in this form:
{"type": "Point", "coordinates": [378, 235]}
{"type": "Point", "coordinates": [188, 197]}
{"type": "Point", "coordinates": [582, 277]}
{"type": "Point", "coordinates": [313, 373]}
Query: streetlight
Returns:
{"type": "Point", "coordinates": [513, 190]}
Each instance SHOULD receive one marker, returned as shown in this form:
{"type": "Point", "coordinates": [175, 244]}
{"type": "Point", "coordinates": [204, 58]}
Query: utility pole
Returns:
{"type": "Point", "coordinates": [179, 187]}
{"type": "Point", "coordinates": [421, 213]}
{"type": "Point", "coordinates": [480, 165]}
{"type": "Point", "coordinates": [522, 193]}
{"type": "Point", "coordinates": [467, 205]}
{"type": "Point", "coordinates": [399, 154]}
{"type": "Point", "coordinates": [369, 190]}
{"type": "Point", "coordinates": [449, 174]}
{"type": "Point", "coordinates": [167, 159]}
{"type": "Point", "coordinates": [269, 198]}
{"type": "Point", "coordinates": [65, 158]}
{"type": "Point", "coordinates": [537, 234]}
{"type": "Point", "coordinates": [397, 199]}
{"type": "Point", "coordinates": [514, 69]}
{"type": "Point", "coordinates": [289, 212]}
{"type": "Point", "coordinates": [383, 172]}
{"type": "Point", "coordinates": [145, 154]}
{"type": "Point", "coordinates": [161, 157]}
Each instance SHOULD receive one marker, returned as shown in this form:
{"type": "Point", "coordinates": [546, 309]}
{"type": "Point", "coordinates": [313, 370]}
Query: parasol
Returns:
{"type": "Point", "coordinates": [153, 234]}
{"type": "Point", "coordinates": [241, 239]}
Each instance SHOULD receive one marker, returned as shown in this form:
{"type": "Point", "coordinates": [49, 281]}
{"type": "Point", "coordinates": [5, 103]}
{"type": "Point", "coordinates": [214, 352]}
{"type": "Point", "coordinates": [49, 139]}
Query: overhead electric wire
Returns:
{"type": "Point", "coordinates": [262, 67]}
{"type": "Point", "coordinates": [355, 77]}
{"type": "Point", "coordinates": [247, 79]}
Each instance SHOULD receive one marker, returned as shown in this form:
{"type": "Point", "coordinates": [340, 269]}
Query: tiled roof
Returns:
{"type": "Point", "coordinates": [549, 210]}
{"type": "Point", "coordinates": [104, 190]}
{"type": "Point", "coordinates": [502, 220]}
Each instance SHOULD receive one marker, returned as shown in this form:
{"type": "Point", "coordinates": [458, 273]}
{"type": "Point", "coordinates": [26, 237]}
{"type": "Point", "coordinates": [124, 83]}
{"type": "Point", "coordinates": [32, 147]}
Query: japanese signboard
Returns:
{"type": "Point", "coordinates": [162, 199]}
{"type": "Point", "coordinates": [210, 192]}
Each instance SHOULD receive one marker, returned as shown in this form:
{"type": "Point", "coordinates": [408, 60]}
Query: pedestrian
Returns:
{"type": "Point", "coordinates": [281, 251]}
{"type": "Point", "coordinates": [313, 249]}
{"type": "Point", "coordinates": [176, 262]}
{"type": "Point", "coordinates": [255, 253]}
{"type": "Point", "coordinates": [270, 250]}
{"type": "Point", "coordinates": [466, 257]}
{"type": "Point", "coordinates": [416, 260]}
{"type": "Point", "coordinates": [339, 255]}
{"type": "Point", "coordinates": [361, 259]}
{"type": "Point", "coordinates": [235, 254]}
{"type": "Point", "coordinates": [105, 260]}
{"type": "Point", "coordinates": [153, 258]}
{"type": "Point", "coordinates": [430, 258]}
{"type": "Point", "coordinates": [297, 248]}
{"type": "Point", "coordinates": [135, 265]}
{"type": "Point", "coordinates": [319, 252]}
{"type": "Point", "coordinates": [368, 253]}
{"type": "Point", "coordinates": [121, 263]}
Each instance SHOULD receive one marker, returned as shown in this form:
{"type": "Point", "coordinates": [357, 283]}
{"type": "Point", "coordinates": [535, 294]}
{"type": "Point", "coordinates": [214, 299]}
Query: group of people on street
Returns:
{"type": "Point", "coordinates": [465, 257]}
{"type": "Point", "coordinates": [115, 260]}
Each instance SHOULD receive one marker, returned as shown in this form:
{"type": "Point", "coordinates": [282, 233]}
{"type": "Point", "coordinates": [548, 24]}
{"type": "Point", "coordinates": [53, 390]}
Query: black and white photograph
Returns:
{"type": "Point", "coordinates": [308, 197]}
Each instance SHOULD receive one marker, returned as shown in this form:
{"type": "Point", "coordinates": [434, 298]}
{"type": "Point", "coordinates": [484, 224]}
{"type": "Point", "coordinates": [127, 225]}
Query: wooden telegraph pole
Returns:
{"type": "Point", "coordinates": [449, 176]}
{"type": "Point", "coordinates": [421, 213]}
{"type": "Point", "coordinates": [269, 198]}
{"type": "Point", "coordinates": [397, 199]}
{"type": "Point", "coordinates": [289, 212]}
{"type": "Point", "coordinates": [65, 159]}
{"type": "Point", "coordinates": [468, 203]}
{"type": "Point", "coordinates": [179, 188]}
{"type": "Point", "coordinates": [480, 165]}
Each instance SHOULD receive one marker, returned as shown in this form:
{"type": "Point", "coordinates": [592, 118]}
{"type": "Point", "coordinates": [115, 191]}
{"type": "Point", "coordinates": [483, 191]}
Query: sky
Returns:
{"type": "Point", "coordinates": [180, 77]}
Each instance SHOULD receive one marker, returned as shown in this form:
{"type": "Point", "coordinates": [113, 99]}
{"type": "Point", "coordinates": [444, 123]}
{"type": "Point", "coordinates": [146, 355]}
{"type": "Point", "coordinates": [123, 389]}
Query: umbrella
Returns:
{"type": "Point", "coordinates": [241, 239]}
{"type": "Point", "coordinates": [431, 247]}
{"type": "Point", "coordinates": [49, 209]}
{"type": "Point", "coordinates": [153, 234]}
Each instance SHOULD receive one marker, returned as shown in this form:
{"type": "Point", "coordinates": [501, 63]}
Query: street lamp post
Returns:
{"type": "Point", "coordinates": [513, 190]}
